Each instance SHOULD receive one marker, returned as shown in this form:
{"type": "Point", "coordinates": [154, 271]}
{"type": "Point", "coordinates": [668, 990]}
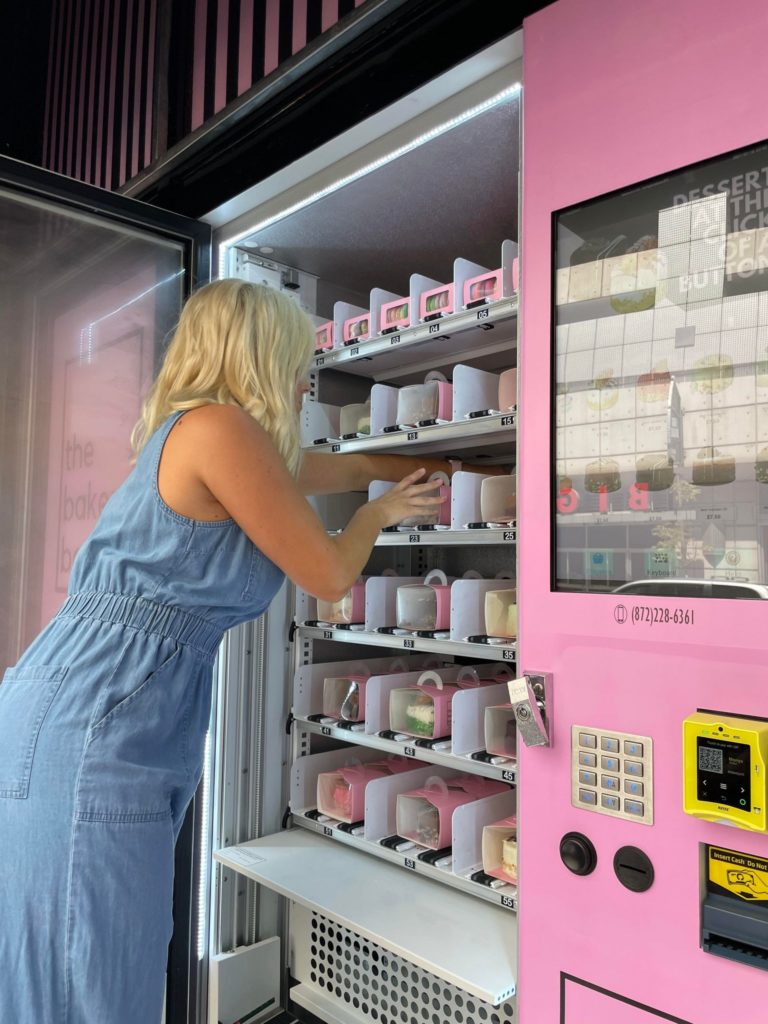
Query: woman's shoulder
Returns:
{"type": "Point", "coordinates": [214, 427]}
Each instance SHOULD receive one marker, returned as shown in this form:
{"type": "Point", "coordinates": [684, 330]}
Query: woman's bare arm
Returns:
{"type": "Point", "coordinates": [234, 459]}
{"type": "Point", "coordinates": [323, 473]}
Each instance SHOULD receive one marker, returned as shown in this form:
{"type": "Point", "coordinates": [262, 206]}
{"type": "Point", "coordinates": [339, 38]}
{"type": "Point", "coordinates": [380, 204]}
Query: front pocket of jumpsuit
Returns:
{"type": "Point", "coordinates": [26, 694]}
{"type": "Point", "coordinates": [125, 701]}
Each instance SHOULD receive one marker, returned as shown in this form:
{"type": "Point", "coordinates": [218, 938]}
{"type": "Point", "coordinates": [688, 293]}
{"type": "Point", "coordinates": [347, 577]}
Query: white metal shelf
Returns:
{"type": "Point", "coordinates": [457, 648]}
{"type": "Point", "coordinates": [448, 538]}
{"type": "Point", "coordinates": [503, 772]}
{"type": "Point", "coordinates": [496, 429]}
{"type": "Point", "coordinates": [436, 343]}
{"type": "Point", "coordinates": [468, 942]}
{"type": "Point", "coordinates": [505, 897]}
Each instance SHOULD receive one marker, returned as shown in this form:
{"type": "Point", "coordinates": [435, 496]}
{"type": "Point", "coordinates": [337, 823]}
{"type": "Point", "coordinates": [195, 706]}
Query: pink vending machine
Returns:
{"type": "Point", "coordinates": [643, 644]}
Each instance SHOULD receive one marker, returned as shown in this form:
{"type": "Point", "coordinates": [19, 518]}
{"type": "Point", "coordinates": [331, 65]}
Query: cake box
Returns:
{"type": "Point", "coordinates": [500, 850]}
{"type": "Point", "coordinates": [425, 606]}
{"type": "Point", "coordinates": [436, 302]}
{"type": "Point", "coordinates": [344, 697]}
{"type": "Point", "coordinates": [346, 611]}
{"type": "Point", "coordinates": [419, 403]}
{"type": "Point", "coordinates": [395, 315]}
{"type": "Point", "coordinates": [423, 710]}
{"type": "Point", "coordinates": [341, 793]}
{"type": "Point", "coordinates": [324, 337]}
{"type": "Point", "coordinates": [425, 815]}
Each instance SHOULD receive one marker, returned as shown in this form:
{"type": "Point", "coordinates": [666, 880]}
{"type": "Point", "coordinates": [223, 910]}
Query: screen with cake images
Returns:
{"type": "Point", "coordinates": [661, 385]}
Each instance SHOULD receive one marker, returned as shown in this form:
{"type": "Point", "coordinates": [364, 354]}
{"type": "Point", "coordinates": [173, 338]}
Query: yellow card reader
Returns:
{"type": "Point", "coordinates": [724, 769]}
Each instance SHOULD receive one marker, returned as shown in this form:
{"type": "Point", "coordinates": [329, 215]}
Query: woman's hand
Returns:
{"type": "Point", "coordinates": [407, 499]}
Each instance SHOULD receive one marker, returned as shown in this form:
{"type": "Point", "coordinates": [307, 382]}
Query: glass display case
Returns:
{"type": "Point", "coordinates": [661, 385]}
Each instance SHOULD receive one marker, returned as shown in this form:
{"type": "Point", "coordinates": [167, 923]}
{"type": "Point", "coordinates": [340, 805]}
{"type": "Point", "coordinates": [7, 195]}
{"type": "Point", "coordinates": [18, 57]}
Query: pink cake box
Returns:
{"type": "Point", "coordinates": [443, 515]}
{"type": "Point", "coordinates": [395, 315]}
{"type": "Point", "coordinates": [432, 400]}
{"type": "Point", "coordinates": [341, 793]}
{"type": "Point", "coordinates": [508, 390]}
{"type": "Point", "coordinates": [500, 838]}
{"type": "Point", "coordinates": [485, 287]}
{"type": "Point", "coordinates": [344, 698]}
{"type": "Point", "coordinates": [357, 328]}
{"type": "Point", "coordinates": [324, 337]}
{"type": "Point", "coordinates": [436, 302]}
{"type": "Point", "coordinates": [349, 610]}
{"type": "Point", "coordinates": [424, 710]}
{"type": "Point", "coordinates": [425, 816]}
{"type": "Point", "coordinates": [425, 606]}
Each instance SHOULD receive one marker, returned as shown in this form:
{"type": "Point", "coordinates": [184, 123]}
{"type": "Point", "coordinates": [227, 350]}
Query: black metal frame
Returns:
{"type": "Point", "coordinates": [370, 60]}
{"type": "Point", "coordinates": [193, 235]}
{"type": "Point", "coordinates": [195, 238]}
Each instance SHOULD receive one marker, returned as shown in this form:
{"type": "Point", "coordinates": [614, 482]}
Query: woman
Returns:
{"type": "Point", "coordinates": [102, 720]}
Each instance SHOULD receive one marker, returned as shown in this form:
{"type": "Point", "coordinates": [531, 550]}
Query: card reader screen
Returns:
{"type": "Point", "coordinates": [723, 775]}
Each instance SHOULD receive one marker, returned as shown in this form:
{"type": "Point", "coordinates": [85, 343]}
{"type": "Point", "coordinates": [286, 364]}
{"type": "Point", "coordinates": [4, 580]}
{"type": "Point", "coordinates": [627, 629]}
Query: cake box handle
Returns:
{"type": "Point", "coordinates": [436, 574]}
{"type": "Point", "coordinates": [430, 677]}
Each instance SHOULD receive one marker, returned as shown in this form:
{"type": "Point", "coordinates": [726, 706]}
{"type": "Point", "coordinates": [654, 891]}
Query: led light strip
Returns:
{"type": "Point", "coordinates": [440, 129]}
{"type": "Point", "coordinates": [202, 893]}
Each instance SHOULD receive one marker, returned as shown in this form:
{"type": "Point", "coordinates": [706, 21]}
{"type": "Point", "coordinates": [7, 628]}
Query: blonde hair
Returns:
{"type": "Point", "coordinates": [235, 344]}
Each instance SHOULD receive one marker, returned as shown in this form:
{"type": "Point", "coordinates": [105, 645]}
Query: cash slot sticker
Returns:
{"type": "Point", "coordinates": [739, 874]}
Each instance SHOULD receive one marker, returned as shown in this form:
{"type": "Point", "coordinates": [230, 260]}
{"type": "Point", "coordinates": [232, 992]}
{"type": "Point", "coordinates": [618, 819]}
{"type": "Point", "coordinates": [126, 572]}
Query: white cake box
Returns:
{"type": "Point", "coordinates": [427, 605]}
{"type": "Point", "coordinates": [501, 613]}
{"type": "Point", "coordinates": [432, 400]}
{"type": "Point", "coordinates": [500, 850]}
{"type": "Point", "coordinates": [498, 499]}
{"type": "Point", "coordinates": [355, 419]}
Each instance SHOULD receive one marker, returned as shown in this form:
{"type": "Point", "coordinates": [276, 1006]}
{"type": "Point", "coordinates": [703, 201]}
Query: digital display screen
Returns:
{"type": "Point", "coordinates": [660, 355]}
{"type": "Point", "coordinates": [723, 775]}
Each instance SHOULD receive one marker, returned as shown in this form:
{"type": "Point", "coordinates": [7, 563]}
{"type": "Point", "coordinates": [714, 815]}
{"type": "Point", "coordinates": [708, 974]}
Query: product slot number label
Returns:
{"type": "Point", "coordinates": [482, 314]}
{"type": "Point", "coordinates": [434, 328]}
{"type": "Point", "coordinates": [355, 350]}
{"type": "Point", "coordinates": [507, 421]}
{"type": "Point", "coordinates": [326, 730]}
{"type": "Point", "coordinates": [410, 751]}
{"type": "Point", "coordinates": [410, 864]}
{"type": "Point", "coordinates": [508, 902]}
{"type": "Point", "coordinates": [327, 831]}
{"type": "Point", "coordinates": [508, 654]}
{"type": "Point", "coordinates": [508, 776]}
{"type": "Point", "coordinates": [409, 644]}
{"type": "Point", "coordinates": [320, 361]}
{"type": "Point", "coordinates": [509, 535]}
{"type": "Point", "coordinates": [395, 339]}
{"type": "Point", "coordinates": [413, 435]}
{"type": "Point", "coordinates": [327, 634]}
{"type": "Point", "coordinates": [335, 447]}
{"type": "Point", "coordinates": [414, 538]}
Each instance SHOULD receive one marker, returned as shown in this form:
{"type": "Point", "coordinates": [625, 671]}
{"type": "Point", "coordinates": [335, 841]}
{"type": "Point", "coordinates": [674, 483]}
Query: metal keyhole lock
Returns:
{"type": "Point", "coordinates": [531, 697]}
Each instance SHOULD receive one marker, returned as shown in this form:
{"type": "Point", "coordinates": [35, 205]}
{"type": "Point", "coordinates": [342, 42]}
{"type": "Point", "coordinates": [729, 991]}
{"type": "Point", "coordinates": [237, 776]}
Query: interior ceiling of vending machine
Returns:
{"type": "Point", "coordinates": [455, 195]}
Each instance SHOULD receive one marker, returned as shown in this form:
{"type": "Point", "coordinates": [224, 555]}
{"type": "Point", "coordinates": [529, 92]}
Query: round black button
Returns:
{"type": "Point", "coordinates": [633, 869]}
{"type": "Point", "coordinates": [577, 853]}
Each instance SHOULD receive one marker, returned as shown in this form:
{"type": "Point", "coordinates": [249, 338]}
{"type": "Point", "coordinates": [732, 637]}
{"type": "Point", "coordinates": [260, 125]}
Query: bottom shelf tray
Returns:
{"type": "Point", "coordinates": [468, 942]}
{"type": "Point", "coordinates": [503, 896]}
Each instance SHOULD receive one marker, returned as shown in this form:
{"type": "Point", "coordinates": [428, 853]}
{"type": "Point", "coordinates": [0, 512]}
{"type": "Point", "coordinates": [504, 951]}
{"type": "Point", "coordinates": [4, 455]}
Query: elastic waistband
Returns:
{"type": "Point", "coordinates": [149, 616]}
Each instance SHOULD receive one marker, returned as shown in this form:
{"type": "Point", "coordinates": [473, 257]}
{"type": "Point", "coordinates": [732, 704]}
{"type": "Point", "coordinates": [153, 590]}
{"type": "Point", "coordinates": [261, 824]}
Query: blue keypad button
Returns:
{"type": "Point", "coordinates": [609, 744]}
{"type": "Point", "coordinates": [634, 788]}
{"type": "Point", "coordinates": [588, 796]}
{"type": "Point", "coordinates": [609, 782]}
{"type": "Point", "coordinates": [633, 749]}
{"type": "Point", "coordinates": [587, 778]}
{"type": "Point", "coordinates": [588, 760]}
{"type": "Point", "coordinates": [609, 764]}
{"type": "Point", "coordinates": [587, 739]}
{"type": "Point", "coordinates": [611, 803]}
{"type": "Point", "coordinates": [634, 807]}
{"type": "Point", "coordinates": [634, 768]}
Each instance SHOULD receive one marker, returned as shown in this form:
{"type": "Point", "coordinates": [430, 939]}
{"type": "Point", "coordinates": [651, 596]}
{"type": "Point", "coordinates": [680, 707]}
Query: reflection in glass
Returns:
{"type": "Point", "coordinates": [87, 305]}
{"type": "Point", "coordinates": [661, 382]}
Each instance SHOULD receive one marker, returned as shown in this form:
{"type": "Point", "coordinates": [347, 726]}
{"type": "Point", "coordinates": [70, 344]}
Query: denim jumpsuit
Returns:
{"type": "Point", "coordinates": [102, 732]}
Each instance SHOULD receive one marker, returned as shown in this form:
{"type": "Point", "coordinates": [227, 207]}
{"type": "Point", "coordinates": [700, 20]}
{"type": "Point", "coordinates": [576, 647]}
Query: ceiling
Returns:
{"type": "Point", "coordinates": [456, 195]}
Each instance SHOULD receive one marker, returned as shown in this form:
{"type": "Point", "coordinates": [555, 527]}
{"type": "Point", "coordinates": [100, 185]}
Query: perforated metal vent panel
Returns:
{"type": "Point", "coordinates": [374, 984]}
